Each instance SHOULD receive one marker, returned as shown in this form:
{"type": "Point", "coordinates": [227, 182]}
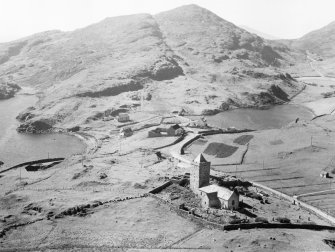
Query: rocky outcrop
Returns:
{"type": "Point", "coordinates": [26, 115]}
{"type": "Point", "coordinates": [11, 51]}
{"type": "Point", "coordinates": [113, 91]}
{"type": "Point", "coordinates": [279, 93]}
{"type": "Point", "coordinates": [261, 99]}
{"type": "Point", "coordinates": [36, 127]}
{"type": "Point", "coordinates": [209, 112]}
{"type": "Point", "coordinates": [8, 90]}
{"type": "Point", "coordinates": [165, 69]}
{"type": "Point", "coordinates": [74, 129]}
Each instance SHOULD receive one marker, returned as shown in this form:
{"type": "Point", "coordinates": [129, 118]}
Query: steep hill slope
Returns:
{"type": "Point", "coordinates": [185, 59]}
{"type": "Point", "coordinates": [259, 33]}
{"type": "Point", "coordinates": [321, 41]}
{"type": "Point", "coordinates": [207, 36]}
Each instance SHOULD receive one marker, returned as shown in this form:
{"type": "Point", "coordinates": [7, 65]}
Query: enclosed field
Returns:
{"type": "Point", "coordinates": [291, 159]}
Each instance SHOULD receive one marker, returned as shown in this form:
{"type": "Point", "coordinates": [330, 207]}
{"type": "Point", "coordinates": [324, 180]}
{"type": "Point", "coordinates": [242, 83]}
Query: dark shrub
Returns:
{"type": "Point", "coordinates": [308, 223]}
{"type": "Point", "coordinates": [74, 129]}
{"type": "Point", "coordinates": [261, 220]}
{"type": "Point", "coordinates": [254, 195]}
{"type": "Point", "coordinates": [235, 221]}
{"type": "Point", "coordinates": [283, 220]}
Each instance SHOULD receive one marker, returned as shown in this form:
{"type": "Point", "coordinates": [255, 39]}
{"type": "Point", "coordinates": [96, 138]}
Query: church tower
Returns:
{"type": "Point", "coordinates": [199, 174]}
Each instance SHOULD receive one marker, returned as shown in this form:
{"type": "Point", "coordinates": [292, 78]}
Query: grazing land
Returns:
{"type": "Point", "coordinates": [114, 82]}
{"type": "Point", "coordinates": [291, 159]}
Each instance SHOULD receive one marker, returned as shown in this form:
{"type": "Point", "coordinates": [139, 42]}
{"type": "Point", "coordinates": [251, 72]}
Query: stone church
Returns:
{"type": "Point", "coordinates": [211, 195]}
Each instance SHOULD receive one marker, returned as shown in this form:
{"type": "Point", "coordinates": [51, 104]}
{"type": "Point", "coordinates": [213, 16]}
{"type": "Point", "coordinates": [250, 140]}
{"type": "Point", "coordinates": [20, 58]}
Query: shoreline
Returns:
{"type": "Point", "coordinates": [90, 142]}
{"type": "Point", "coordinates": [17, 105]}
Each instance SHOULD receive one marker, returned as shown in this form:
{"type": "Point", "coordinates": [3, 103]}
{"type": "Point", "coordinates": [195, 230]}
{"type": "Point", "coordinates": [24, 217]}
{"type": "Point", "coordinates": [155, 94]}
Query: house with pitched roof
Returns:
{"type": "Point", "coordinates": [175, 130]}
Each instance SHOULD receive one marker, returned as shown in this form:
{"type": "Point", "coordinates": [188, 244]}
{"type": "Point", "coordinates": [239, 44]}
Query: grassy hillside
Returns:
{"type": "Point", "coordinates": [185, 59]}
{"type": "Point", "coordinates": [320, 42]}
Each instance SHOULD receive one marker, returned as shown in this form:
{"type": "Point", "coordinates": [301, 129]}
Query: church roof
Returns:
{"type": "Point", "coordinates": [176, 126]}
{"type": "Point", "coordinates": [200, 159]}
{"type": "Point", "coordinates": [223, 193]}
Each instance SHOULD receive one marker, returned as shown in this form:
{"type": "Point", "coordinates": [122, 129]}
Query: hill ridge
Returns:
{"type": "Point", "coordinates": [186, 59]}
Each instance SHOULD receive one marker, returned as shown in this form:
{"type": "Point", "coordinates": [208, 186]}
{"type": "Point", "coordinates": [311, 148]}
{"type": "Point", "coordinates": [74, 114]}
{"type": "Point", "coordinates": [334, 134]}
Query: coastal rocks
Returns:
{"type": "Point", "coordinates": [261, 99]}
{"type": "Point", "coordinates": [39, 126]}
{"type": "Point", "coordinates": [208, 112]}
{"type": "Point", "coordinates": [74, 129]}
{"type": "Point", "coordinates": [8, 90]}
{"type": "Point", "coordinates": [226, 105]}
{"type": "Point", "coordinates": [279, 93]}
{"type": "Point", "coordinates": [26, 115]}
{"type": "Point", "coordinates": [274, 95]}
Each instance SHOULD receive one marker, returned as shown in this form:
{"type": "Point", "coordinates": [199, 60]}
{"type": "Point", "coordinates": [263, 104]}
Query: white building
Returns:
{"type": "Point", "coordinates": [123, 117]}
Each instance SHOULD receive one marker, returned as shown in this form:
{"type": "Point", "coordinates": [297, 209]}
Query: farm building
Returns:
{"type": "Point", "coordinates": [154, 133]}
{"type": "Point", "coordinates": [175, 130]}
{"type": "Point", "coordinates": [211, 195]}
{"type": "Point", "coordinates": [123, 117]}
{"type": "Point", "coordinates": [126, 132]}
{"type": "Point", "coordinates": [158, 132]}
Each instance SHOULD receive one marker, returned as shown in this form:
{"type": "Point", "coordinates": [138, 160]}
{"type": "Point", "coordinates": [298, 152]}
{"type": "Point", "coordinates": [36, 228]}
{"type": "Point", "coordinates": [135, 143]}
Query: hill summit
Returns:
{"type": "Point", "coordinates": [321, 41]}
{"type": "Point", "coordinates": [186, 59]}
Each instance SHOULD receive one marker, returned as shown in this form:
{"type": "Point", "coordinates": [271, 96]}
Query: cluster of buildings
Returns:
{"type": "Point", "coordinates": [211, 195]}
{"type": "Point", "coordinates": [174, 130]}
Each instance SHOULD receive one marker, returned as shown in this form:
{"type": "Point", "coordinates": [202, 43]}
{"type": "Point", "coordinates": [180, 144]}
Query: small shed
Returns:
{"type": "Point", "coordinates": [123, 117]}
{"type": "Point", "coordinates": [126, 132]}
{"type": "Point", "coordinates": [175, 130]}
{"type": "Point", "coordinates": [220, 197]}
